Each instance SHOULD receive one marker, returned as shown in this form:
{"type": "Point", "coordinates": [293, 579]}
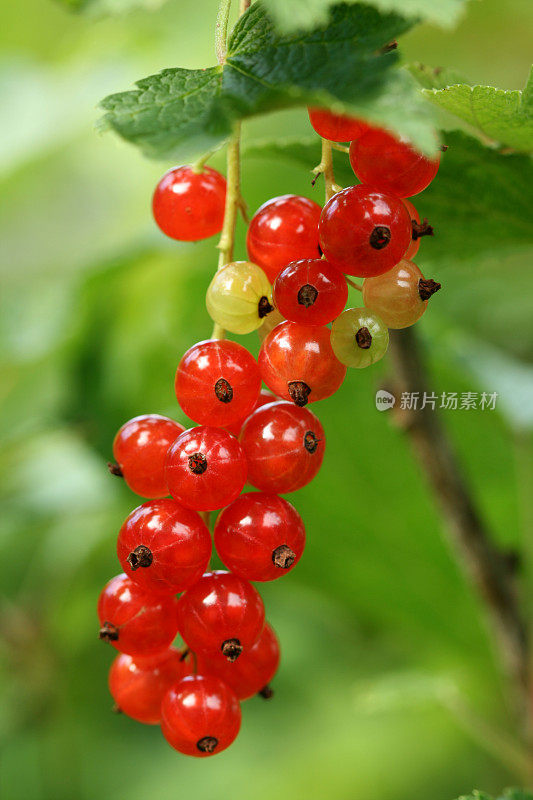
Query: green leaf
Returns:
{"type": "Point", "coordinates": [503, 116]}
{"type": "Point", "coordinates": [291, 15]}
{"type": "Point", "coordinates": [101, 7]}
{"type": "Point", "coordinates": [179, 112]}
{"type": "Point", "coordinates": [507, 794]}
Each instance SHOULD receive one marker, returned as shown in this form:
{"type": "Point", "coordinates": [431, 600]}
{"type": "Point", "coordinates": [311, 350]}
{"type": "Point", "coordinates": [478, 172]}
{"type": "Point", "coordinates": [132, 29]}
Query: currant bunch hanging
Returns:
{"type": "Point", "coordinates": [293, 290]}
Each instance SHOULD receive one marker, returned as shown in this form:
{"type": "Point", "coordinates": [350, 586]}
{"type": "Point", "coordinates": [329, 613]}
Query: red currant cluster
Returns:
{"type": "Point", "coordinates": [244, 433]}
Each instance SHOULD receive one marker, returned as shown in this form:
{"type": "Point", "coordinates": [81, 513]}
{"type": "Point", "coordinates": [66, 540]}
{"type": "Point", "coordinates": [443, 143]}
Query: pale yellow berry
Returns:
{"type": "Point", "coordinates": [239, 297]}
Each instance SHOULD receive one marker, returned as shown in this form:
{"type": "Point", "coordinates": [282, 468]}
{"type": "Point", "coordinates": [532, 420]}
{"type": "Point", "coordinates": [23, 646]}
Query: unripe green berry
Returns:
{"type": "Point", "coordinates": [359, 337]}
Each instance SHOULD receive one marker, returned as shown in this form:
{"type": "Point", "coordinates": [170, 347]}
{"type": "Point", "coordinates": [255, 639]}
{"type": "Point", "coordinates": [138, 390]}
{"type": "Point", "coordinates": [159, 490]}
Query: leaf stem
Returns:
{"type": "Point", "coordinates": [221, 30]}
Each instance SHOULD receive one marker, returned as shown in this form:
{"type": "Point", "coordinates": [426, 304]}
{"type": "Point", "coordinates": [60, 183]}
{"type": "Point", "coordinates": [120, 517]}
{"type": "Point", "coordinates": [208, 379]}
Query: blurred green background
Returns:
{"type": "Point", "coordinates": [377, 624]}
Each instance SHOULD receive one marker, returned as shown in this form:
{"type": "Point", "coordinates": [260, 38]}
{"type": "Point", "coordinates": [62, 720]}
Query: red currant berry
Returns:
{"type": "Point", "coordinates": [336, 127]}
{"type": "Point", "coordinates": [253, 670]}
{"type": "Point", "coordinates": [284, 446]}
{"type": "Point", "coordinates": [140, 449]}
{"type": "Point", "coordinates": [138, 685]}
{"type": "Point", "coordinates": [282, 230]}
{"type": "Point", "coordinates": [206, 468]}
{"type": "Point", "coordinates": [412, 250]}
{"type": "Point", "coordinates": [217, 382]}
{"type": "Point", "coordinates": [201, 716]}
{"type": "Point", "coordinates": [364, 232]}
{"type": "Point", "coordinates": [310, 292]}
{"type": "Point", "coordinates": [297, 362]}
{"type": "Point", "coordinates": [264, 397]}
{"type": "Point", "coordinates": [391, 164]}
{"type": "Point", "coordinates": [221, 613]}
{"type": "Point", "coordinates": [163, 546]}
{"type": "Point", "coordinates": [189, 205]}
{"type": "Point", "coordinates": [260, 536]}
{"type": "Point", "coordinates": [134, 621]}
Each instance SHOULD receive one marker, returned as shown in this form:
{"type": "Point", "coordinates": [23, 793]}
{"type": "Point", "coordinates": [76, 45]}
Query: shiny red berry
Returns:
{"type": "Point", "coordinates": [298, 363]}
{"type": "Point", "coordinates": [221, 613]}
{"type": "Point", "coordinates": [201, 716]}
{"type": "Point", "coordinates": [133, 620]}
{"type": "Point", "coordinates": [264, 397]}
{"type": "Point", "coordinates": [391, 164]}
{"type": "Point", "coordinates": [253, 670]}
{"type": "Point", "coordinates": [260, 536]}
{"type": "Point", "coordinates": [311, 292]}
{"type": "Point", "coordinates": [206, 468]}
{"type": "Point", "coordinates": [284, 446]}
{"type": "Point", "coordinates": [140, 450]}
{"type": "Point", "coordinates": [163, 546]}
{"type": "Point", "coordinates": [217, 382]}
{"type": "Point", "coordinates": [282, 230]}
{"type": "Point", "coordinates": [189, 205]}
{"type": "Point", "coordinates": [336, 127]}
{"type": "Point", "coordinates": [138, 685]}
{"type": "Point", "coordinates": [364, 232]}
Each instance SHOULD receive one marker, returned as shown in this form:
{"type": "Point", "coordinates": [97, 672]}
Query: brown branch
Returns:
{"type": "Point", "coordinates": [484, 564]}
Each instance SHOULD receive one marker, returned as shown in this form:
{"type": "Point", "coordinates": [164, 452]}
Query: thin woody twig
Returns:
{"type": "Point", "coordinates": [481, 560]}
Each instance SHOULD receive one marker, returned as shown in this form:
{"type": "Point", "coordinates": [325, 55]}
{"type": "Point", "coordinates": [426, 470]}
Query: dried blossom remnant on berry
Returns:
{"type": "Point", "coordinates": [307, 295]}
{"type": "Point", "coordinates": [266, 692]}
{"type": "Point", "coordinates": [427, 288]}
{"type": "Point", "coordinates": [108, 632]}
{"type": "Point", "coordinates": [283, 556]}
{"type": "Point", "coordinates": [311, 441]}
{"type": "Point", "coordinates": [140, 557]}
{"type": "Point", "coordinates": [223, 391]}
{"type": "Point", "coordinates": [231, 648]}
{"type": "Point", "coordinates": [207, 744]}
{"type": "Point", "coordinates": [197, 463]}
{"type": "Point", "coordinates": [363, 338]}
{"type": "Point", "coordinates": [299, 392]}
{"type": "Point", "coordinates": [421, 229]}
{"type": "Point", "coordinates": [264, 307]}
{"type": "Point", "coordinates": [114, 469]}
{"type": "Point", "coordinates": [380, 237]}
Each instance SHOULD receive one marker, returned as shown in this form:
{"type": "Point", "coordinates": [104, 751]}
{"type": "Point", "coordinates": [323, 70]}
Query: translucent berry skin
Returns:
{"type": "Point", "coordinates": [336, 127]}
{"type": "Point", "coordinates": [391, 164]}
{"type": "Point", "coordinates": [189, 206]}
{"type": "Point", "coordinates": [297, 362]}
{"type": "Point", "coordinates": [221, 608]}
{"type": "Point", "coordinates": [395, 297]}
{"type": "Point", "coordinates": [140, 449]}
{"type": "Point", "coordinates": [201, 716]}
{"type": "Point", "coordinates": [206, 468]}
{"type": "Point", "coordinates": [252, 671]}
{"type": "Point", "coordinates": [412, 250]}
{"type": "Point", "coordinates": [134, 621]}
{"type": "Point", "coordinates": [264, 397]}
{"type": "Point", "coordinates": [138, 685]}
{"type": "Point", "coordinates": [363, 231]}
{"type": "Point", "coordinates": [217, 382]}
{"type": "Point", "coordinates": [282, 230]}
{"type": "Point", "coordinates": [260, 536]}
{"type": "Point", "coordinates": [284, 446]}
{"type": "Point", "coordinates": [310, 292]}
{"type": "Point", "coordinates": [163, 546]}
{"type": "Point", "coordinates": [359, 337]}
{"type": "Point", "coordinates": [239, 297]}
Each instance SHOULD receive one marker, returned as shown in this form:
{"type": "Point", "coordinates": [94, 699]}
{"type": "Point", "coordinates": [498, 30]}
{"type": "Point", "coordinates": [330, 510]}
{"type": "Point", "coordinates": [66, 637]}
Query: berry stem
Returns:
{"type": "Point", "coordinates": [326, 168]}
{"type": "Point", "coordinates": [353, 284]}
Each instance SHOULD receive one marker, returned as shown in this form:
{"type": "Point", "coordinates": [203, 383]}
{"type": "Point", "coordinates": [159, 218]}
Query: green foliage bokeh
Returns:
{"type": "Point", "coordinates": [377, 623]}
